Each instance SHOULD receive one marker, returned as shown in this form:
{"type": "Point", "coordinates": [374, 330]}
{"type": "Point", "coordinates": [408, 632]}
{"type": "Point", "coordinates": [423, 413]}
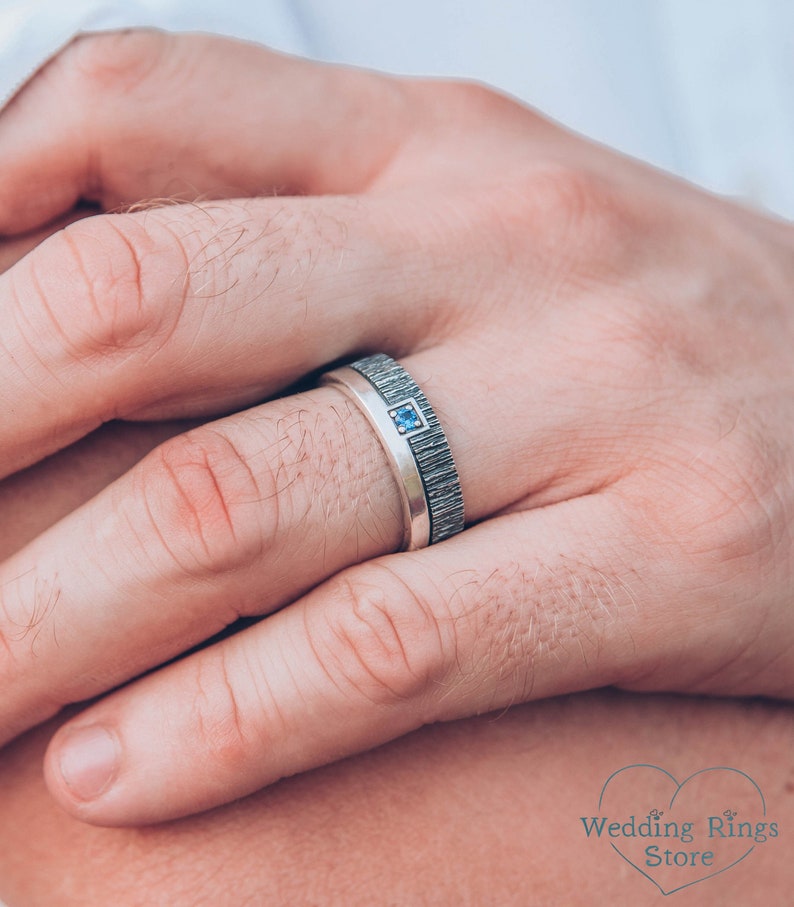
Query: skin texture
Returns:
{"type": "Point", "coordinates": [478, 811]}
{"type": "Point", "coordinates": [608, 350]}
{"type": "Point", "coordinates": [394, 825]}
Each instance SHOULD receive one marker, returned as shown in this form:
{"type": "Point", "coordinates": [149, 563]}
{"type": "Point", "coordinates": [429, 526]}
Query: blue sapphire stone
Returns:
{"type": "Point", "coordinates": [406, 419]}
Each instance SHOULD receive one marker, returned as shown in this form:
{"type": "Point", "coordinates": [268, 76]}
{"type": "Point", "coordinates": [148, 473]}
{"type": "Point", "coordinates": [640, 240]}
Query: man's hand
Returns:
{"type": "Point", "coordinates": [608, 350]}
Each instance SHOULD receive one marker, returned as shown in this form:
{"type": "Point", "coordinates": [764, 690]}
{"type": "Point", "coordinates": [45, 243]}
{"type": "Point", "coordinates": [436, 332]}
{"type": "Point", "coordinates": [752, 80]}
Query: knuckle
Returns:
{"type": "Point", "coordinates": [224, 736]}
{"type": "Point", "coordinates": [379, 639]}
{"type": "Point", "coordinates": [727, 531]}
{"type": "Point", "coordinates": [469, 96]}
{"type": "Point", "coordinates": [569, 227]}
{"type": "Point", "coordinates": [204, 504]}
{"type": "Point", "coordinates": [467, 102]}
{"type": "Point", "coordinates": [568, 210]}
{"type": "Point", "coordinates": [732, 523]}
{"type": "Point", "coordinates": [117, 61]}
{"type": "Point", "coordinates": [744, 514]}
{"type": "Point", "coordinates": [94, 284]}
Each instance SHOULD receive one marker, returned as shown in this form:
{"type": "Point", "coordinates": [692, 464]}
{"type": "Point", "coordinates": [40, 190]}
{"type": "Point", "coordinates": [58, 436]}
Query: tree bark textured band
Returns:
{"type": "Point", "coordinates": [414, 441]}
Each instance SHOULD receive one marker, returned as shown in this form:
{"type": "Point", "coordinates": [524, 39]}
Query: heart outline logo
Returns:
{"type": "Point", "coordinates": [678, 788]}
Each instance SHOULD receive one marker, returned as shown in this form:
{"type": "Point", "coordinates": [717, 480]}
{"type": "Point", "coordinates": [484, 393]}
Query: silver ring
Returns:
{"type": "Point", "coordinates": [414, 441]}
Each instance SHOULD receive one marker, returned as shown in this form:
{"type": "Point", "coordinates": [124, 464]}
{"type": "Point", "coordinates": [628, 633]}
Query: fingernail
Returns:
{"type": "Point", "coordinates": [88, 761]}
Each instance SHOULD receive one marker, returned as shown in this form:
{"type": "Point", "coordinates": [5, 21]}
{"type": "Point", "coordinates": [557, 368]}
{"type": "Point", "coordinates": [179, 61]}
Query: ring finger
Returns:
{"type": "Point", "coordinates": [236, 518]}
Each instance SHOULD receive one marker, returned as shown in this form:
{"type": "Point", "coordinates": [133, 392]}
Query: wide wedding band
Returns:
{"type": "Point", "coordinates": [414, 441]}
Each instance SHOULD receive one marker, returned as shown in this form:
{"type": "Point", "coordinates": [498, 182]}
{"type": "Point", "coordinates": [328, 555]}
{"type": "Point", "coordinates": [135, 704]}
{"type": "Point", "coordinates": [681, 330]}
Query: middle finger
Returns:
{"type": "Point", "coordinates": [190, 310]}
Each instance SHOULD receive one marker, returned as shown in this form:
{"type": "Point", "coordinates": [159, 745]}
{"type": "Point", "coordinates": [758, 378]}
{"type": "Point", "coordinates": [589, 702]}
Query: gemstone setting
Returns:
{"type": "Point", "coordinates": [408, 418]}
